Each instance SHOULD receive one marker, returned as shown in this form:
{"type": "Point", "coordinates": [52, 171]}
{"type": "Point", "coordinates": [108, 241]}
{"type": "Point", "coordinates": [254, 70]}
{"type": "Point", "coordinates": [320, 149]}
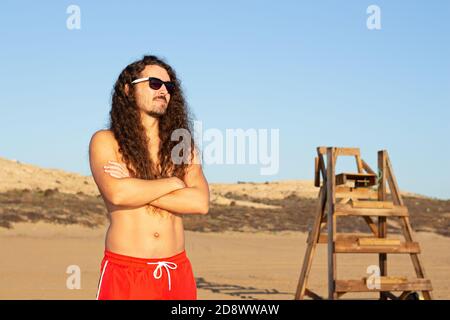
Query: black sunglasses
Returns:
{"type": "Point", "coordinates": [156, 83]}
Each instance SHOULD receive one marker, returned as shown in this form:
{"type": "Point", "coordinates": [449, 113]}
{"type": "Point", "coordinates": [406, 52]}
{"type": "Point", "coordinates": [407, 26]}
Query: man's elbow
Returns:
{"type": "Point", "coordinates": [117, 193]}
{"type": "Point", "coordinates": [116, 197]}
{"type": "Point", "coordinates": [204, 208]}
{"type": "Point", "coordinates": [205, 203]}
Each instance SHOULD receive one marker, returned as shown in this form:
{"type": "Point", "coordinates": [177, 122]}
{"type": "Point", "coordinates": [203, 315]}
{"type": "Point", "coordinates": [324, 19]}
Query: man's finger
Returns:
{"type": "Point", "coordinates": [115, 171]}
{"type": "Point", "coordinates": [115, 174]}
{"type": "Point", "coordinates": [117, 167]}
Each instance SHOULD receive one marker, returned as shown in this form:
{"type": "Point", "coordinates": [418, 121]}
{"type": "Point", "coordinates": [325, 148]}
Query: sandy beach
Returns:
{"type": "Point", "coordinates": [229, 265]}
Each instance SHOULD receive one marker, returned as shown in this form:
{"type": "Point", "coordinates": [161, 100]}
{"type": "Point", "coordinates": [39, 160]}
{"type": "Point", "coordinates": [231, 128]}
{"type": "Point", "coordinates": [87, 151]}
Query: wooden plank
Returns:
{"type": "Point", "coordinates": [373, 227]}
{"type": "Point", "coordinates": [352, 237]}
{"type": "Point", "coordinates": [340, 294]}
{"type": "Point", "coordinates": [357, 176]}
{"type": "Point", "coordinates": [360, 179]}
{"type": "Point", "coordinates": [364, 183]}
{"type": "Point", "coordinates": [348, 210]}
{"type": "Point", "coordinates": [382, 226]}
{"type": "Point", "coordinates": [388, 280]}
{"type": "Point", "coordinates": [322, 150]}
{"type": "Point", "coordinates": [393, 186]}
{"type": "Point", "coordinates": [331, 222]}
{"type": "Point", "coordinates": [340, 151]}
{"type": "Point", "coordinates": [372, 204]}
{"type": "Point", "coordinates": [367, 167]}
{"type": "Point", "coordinates": [406, 226]}
{"type": "Point", "coordinates": [312, 295]}
{"type": "Point", "coordinates": [313, 239]}
{"type": "Point", "coordinates": [359, 164]}
{"type": "Point", "coordinates": [316, 172]}
{"type": "Point", "coordinates": [347, 152]}
{"type": "Point", "coordinates": [356, 193]}
{"type": "Point", "coordinates": [378, 242]}
{"type": "Point", "coordinates": [322, 168]}
{"type": "Point", "coordinates": [386, 284]}
{"type": "Point", "coordinates": [341, 179]}
{"type": "Point", "coordinates": [354, 247]}
{"type": "Point", "coordinates": [322, 165]}
{"type": "Point", "coordinates": [415, 258]}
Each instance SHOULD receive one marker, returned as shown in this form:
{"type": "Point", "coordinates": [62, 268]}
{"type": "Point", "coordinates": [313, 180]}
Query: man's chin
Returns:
{"type": "Point", "coordinates": [156, 114]}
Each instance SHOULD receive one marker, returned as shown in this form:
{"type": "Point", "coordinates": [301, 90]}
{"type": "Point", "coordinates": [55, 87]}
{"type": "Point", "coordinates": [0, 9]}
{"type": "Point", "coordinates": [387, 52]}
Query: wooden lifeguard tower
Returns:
{"type": "Point", "coordinates": [361, 194]}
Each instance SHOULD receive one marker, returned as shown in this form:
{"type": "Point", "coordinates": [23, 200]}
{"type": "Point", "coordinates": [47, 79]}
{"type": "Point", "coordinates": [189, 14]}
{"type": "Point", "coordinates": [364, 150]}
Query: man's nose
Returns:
{"type": "Point", "coordinates": [162, 90]}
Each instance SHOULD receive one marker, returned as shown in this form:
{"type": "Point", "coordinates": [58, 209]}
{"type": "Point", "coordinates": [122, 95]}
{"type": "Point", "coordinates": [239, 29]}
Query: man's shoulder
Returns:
{"type": "Point", "coordinates": [103, 137]}
{"type": "Point", "coordinates": [195, 159]}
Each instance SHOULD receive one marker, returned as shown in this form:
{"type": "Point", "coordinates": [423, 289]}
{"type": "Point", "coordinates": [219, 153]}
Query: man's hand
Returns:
{"type": "Point", "coordinates": [116, 170]}
{"type": "Point", "coordinates": [119, 171]}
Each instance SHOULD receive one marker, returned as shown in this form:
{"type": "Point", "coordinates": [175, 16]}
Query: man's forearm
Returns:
{"type": "Point", "coordinates": [190, 200]}
{"type": "Point", "coordinates": [139, 192]}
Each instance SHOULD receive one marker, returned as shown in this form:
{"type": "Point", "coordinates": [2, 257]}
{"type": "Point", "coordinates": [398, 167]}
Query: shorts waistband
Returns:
{"type": "Point", "coordinates": [143, 262]}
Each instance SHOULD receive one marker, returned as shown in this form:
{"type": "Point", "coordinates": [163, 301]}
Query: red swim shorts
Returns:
{"type": "Point", "coordinates": [131, 278]}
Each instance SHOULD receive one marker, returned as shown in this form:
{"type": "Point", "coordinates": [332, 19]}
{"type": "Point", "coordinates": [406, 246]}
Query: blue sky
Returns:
{"type": "Point", "coordinates": [311, 69]}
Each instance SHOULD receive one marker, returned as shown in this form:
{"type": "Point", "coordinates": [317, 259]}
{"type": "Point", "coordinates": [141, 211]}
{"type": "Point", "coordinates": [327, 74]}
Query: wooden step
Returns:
{"type": "Point", "coordinates": [356, 193]}
{"type": "Point", "coordinates": [349, 210]}
{"type": "Point", "coordinates": [360, 179]}
{"type": "Point", "coordinates": [372, 204]}
{"type": "Point", "coordinates": [348, 237]}
{"type": "Point", "coordinates": [385, 284]}
{"type": "Point", "coordinates": [378, 242]}
{"type": "Point", "coordinates": [376, 245]}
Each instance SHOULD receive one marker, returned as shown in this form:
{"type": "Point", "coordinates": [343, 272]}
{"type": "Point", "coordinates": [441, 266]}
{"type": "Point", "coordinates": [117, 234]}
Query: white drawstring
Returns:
{"type": "Point", "coordinates": [158, 272]}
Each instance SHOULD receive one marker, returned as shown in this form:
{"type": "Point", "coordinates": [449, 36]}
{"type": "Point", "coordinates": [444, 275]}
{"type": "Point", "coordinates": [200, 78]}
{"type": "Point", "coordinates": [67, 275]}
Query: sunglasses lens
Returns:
{"type": "Point", "coordinates": [170, 87]}
{"type": "Point", "coordinates": [155, 84]}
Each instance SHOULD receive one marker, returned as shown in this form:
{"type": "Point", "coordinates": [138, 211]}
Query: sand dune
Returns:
{"type": "Point", "coordinates": [15, 174]}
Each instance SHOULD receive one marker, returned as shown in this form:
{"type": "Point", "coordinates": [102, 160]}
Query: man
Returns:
{"type": "Point", "coordinates": [145, 191]}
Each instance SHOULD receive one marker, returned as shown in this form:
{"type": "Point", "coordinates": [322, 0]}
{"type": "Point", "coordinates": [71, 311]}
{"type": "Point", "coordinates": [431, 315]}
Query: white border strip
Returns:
{"type": "Point", "coordinates": [101, 278]}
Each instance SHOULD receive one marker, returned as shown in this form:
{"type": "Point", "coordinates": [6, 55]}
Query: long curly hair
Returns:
{"type": "Point", "coordinates": [125, 123]}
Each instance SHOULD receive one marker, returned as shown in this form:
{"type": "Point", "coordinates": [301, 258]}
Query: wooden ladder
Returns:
{"type": "Point", "coordinates": [360, 194]}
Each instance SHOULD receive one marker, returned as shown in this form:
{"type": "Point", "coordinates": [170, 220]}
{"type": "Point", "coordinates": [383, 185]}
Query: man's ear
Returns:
{"type": "Point", "coordinates": [127, 89]}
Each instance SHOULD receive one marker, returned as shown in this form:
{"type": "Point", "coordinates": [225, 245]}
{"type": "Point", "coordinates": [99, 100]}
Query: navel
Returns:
{"type": "Point", "coordinates": [156, 234]}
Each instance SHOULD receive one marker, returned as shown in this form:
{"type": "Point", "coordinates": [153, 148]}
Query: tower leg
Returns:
{"type": "Point", "coordinates": [331, 221]}
{"type": "Point", "coordinates": [313, 238]}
